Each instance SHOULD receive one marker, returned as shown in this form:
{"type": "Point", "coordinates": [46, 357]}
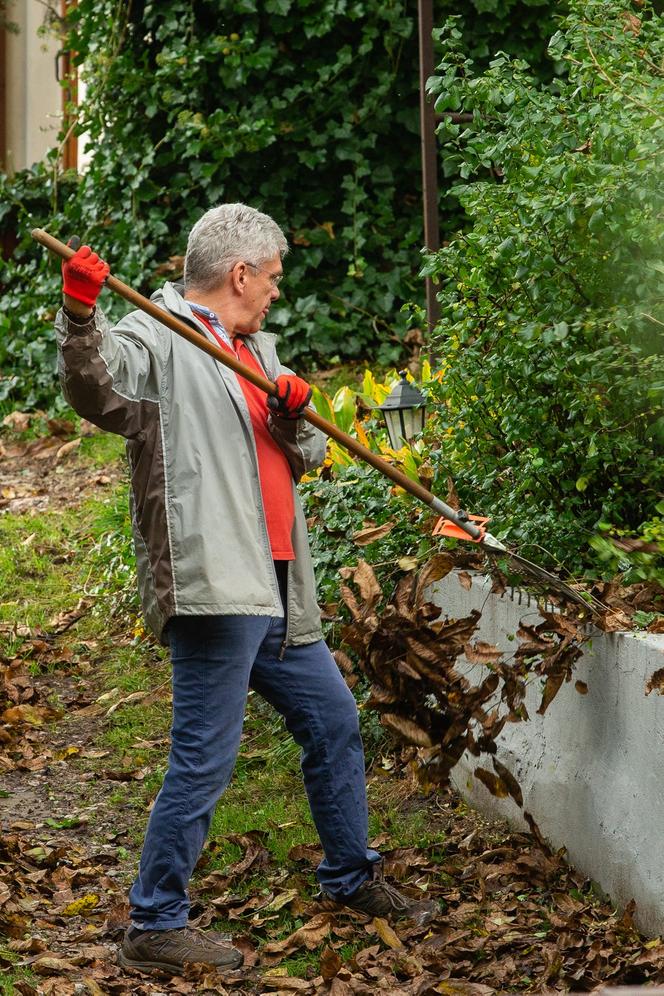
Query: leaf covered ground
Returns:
{"type": "Point", "coordinates": [84, 704]}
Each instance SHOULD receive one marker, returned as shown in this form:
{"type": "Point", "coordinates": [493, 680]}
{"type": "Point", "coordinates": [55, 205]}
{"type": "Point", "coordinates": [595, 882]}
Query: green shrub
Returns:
{"type": "Point", "coordinates": [30, 285]}
{"type": "Point", "coordinates": [551, 404]}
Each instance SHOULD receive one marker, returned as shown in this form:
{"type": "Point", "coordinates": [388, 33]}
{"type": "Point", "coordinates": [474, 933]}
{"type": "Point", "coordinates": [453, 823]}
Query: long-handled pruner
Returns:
{"type": "Point", "coordinates": [462, 525]}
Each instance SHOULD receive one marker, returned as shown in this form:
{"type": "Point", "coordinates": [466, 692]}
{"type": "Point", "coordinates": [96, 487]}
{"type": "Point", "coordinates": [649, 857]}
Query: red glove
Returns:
{"type": "Point", "coordinates": [292, 397]}
{"type": "Point", "coordinates": [83, 275]}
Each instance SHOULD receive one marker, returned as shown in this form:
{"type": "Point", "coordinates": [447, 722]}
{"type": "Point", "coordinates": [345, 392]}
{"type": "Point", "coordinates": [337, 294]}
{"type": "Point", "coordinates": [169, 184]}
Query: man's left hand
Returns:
{"type": "Point", "coordinates": [292, 397]}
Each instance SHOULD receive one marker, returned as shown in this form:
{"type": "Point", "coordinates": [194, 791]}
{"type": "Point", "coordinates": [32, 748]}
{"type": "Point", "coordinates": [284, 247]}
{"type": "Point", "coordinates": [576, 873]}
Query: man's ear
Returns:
{"type": "Point", "coordinates": [239, 277]}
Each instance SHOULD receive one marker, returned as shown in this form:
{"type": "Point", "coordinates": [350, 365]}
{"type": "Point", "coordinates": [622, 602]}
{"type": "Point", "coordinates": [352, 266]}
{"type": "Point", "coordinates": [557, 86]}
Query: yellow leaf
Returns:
{"type": "Point", "coordinates": [408, 563]}
{"type": "Point", "coordinates": [339, 456]}
{"type": "Point", "coordinates": [344, 406]}
{"type": "Point", "coordinates": [386, 933]}
{"type": "Point", "coordinates": [62, 755]}
{"type": "Point", "coordinates": [361, 434]}
{"type": "Point", "coordinates": [81, 906]}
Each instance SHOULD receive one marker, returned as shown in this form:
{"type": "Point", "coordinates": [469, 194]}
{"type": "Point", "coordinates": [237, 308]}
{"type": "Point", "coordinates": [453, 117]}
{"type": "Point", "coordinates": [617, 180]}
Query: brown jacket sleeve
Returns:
{"type": "Point", "coordinates": [112, 377]}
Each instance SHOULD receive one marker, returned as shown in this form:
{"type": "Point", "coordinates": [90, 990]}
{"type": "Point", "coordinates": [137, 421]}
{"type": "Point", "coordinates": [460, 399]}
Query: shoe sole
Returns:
{"type": "Point", "coordinates": [165, 966]}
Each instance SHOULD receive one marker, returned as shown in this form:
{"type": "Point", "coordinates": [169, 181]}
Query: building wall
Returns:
{"type": "Point", "coordinates": [33, 97]}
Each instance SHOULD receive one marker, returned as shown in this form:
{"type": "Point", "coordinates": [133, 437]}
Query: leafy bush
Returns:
{"type": "Point", "coordinates": [30, 286]}
{"type": "Point", "coordinates": [353, 511]}
{"type": "Point", "coordinates": [307, 110]}
{"type": "Point", "coordinates": [551, 401]}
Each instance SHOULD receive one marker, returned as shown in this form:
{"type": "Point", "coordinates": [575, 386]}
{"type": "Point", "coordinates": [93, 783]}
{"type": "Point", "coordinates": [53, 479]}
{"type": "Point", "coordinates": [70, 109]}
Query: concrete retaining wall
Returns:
{"type": "Point", "coordinates": [592, 768]}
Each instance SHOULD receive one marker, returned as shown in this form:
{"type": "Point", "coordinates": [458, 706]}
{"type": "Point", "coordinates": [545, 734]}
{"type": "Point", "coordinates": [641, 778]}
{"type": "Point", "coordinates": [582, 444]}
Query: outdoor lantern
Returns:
{"type": "Point", "coordinates": [404, 412]}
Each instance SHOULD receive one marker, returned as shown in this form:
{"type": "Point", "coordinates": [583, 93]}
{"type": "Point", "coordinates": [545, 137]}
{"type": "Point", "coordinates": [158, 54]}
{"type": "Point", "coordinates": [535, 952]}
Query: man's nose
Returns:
{"type": "Point", "coordinates": [275, 293]}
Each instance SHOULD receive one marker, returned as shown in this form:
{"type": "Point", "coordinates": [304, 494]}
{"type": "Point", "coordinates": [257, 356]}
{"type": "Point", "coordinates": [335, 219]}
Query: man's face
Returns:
{"type": "Point", "coordinates": [261, 291]}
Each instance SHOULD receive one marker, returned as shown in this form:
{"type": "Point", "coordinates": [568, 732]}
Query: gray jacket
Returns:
{"type": "Point", "coordinates": [201, 540]}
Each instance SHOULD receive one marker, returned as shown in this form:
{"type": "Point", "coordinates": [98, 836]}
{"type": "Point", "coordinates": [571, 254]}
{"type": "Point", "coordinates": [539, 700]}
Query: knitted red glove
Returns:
{"type": "Point", "coordinates": [292, 397]}
{"type": "Point", "coordinates": [83, 275]}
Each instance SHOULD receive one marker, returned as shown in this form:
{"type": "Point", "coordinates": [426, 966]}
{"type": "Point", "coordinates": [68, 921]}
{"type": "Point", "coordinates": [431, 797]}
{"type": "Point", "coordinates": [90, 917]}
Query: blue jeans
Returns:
{"type": "Point", "coordinates": [216, 659]}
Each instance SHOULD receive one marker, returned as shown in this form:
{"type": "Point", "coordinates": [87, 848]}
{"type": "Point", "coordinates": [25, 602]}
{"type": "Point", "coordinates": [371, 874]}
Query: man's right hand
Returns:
{"type": "Point", "coordinates": [83, 277]}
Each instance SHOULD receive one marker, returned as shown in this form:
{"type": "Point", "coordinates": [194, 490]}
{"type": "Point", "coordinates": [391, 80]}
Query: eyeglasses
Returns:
{"type": "Point", "coordinates": [275, 278]}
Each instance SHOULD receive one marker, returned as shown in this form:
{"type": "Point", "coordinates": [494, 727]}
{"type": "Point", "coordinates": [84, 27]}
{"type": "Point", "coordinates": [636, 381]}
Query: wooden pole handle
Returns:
{"type": "Point", "coordinates": [229, 360]}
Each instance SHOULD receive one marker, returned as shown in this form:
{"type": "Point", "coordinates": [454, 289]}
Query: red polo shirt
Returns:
{"type": "Point", "coordinates": [274, 470]}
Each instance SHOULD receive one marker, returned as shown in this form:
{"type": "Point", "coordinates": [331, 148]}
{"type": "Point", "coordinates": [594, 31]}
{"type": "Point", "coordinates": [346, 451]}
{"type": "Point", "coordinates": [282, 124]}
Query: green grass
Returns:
{"type": "Point", "coordinates": [9, 976]}
{"type": "Point", "coordinates": [101, 449]}
{"type": "Point", "coordinates": [29, 574]}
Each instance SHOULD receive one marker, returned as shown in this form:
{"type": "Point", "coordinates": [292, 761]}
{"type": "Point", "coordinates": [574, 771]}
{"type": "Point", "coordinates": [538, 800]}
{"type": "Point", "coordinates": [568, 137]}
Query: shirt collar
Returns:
{"type": "Point", "coordinates": [213, 319]}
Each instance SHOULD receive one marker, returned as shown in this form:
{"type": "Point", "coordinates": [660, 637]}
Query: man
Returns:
{"type": "Point", "coordinates": [223, 563]}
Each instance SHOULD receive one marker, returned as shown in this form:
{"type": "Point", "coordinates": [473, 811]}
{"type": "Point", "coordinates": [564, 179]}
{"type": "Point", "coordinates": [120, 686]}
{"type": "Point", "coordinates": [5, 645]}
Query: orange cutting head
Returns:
{"type": "Point", "coordinates": [446, 528]}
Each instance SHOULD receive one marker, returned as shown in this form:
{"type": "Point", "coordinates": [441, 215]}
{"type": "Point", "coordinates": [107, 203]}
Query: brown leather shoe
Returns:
{"type": "Point", "coordinates": [376, 897]}
{"type": "Point", "coordinates": [169, 950]}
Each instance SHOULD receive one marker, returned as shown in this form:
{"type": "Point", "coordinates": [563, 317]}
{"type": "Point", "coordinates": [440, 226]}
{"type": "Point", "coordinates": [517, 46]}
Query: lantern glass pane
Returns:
{"type": "Point", "coordinates": [413, 422]}
{"type": "Point", "coordinates": [393, 423]}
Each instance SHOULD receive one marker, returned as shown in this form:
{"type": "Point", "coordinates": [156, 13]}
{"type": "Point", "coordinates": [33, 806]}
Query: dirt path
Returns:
{"type": "Point", "coordinates": [39, 473]}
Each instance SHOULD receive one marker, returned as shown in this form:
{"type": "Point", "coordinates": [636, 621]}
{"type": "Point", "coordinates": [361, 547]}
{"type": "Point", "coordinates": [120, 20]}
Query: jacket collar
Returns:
{"type": "Point", "coordinates": [171, 296]}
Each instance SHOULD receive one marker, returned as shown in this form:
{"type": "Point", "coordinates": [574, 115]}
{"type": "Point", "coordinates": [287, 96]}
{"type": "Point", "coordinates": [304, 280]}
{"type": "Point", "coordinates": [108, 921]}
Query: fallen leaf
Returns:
{"type": "Point", "coordinates": [482, 653]}
{"type": "Point", "coordinates": [365, 536]}
{"type": "Point", "coordinates": [283, 899]}
{"type": "Point", "coordinates": [25, 714]}
{"type": "Point", "coordinates": [330, 963]}
{"type": "Point", "coordinates": [614, 621]}
{"type": "Point", "coordinates": [81, 906]}
{"type": "Point", "coordinates": [386, 933]}
{"type": "Point", "coordinates": [45, 965]}
{"type": "Point", "coordinates": [508, 780]}
{"type": "Point", "coordinates": [128, 700]}
{"type": "Point", "coordinates": [92, 987]}
{"type": "Point", "coordinates": [408, 563]}
{"type": "Point", "coordinates": [656, 682]}
{"type": "Point", "coordinates": [66, 449]}
{"type": "Point", "coordinates": [60, 426]}
{"type": "Point", "coordinates": [365, 579]}
{"type": "Point", "coordinates": [288, 984]}
{"type": "Point", "coordinates": [18, 421]}
{"type": "Point", "coordinates": [406, 729]}
{"type": "Point", "coordinates": [459, 987]}
{"type": "Point", "coordinates": [492, 782]}
{"type": "Point", "coordinates": [308, 936]}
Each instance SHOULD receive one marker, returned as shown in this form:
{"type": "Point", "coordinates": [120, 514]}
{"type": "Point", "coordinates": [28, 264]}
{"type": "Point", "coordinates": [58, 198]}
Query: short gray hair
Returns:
{"type": "Point", "coordinates": [224, 236]}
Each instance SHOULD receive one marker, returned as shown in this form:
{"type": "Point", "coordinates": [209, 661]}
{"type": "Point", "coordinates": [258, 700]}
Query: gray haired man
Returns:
{"type": "Point", "coordinates": [223, 563]}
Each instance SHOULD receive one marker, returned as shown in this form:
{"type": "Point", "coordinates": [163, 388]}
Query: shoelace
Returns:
{"type": "Point", "coordinates": [184, 934]}
{"type": "Point", "coordinates": [398, 903]}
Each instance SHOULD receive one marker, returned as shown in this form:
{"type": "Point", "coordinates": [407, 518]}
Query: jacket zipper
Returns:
{"type": "Point", "coordinates": [284, 645]}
